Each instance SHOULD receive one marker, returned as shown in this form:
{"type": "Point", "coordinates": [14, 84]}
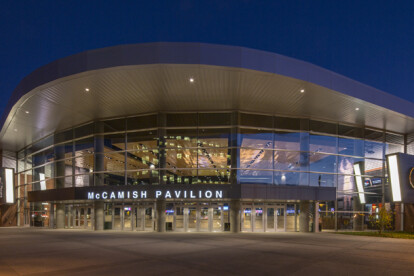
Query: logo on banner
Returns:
{"type": "Point", "coordinates": [411, 177]}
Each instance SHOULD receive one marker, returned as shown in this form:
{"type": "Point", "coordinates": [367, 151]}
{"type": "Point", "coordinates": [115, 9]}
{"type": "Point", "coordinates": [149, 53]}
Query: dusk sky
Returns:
{"type": "Point", "coordinates": [369, 41]}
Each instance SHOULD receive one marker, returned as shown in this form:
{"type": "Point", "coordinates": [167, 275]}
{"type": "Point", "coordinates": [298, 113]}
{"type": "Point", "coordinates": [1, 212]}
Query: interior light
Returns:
{"type": "Point", "coordinates": [27, 112]}
{"type": "Point", "coordinates": [86, 89]}
{"type": "Point", "coordinates": [9, 186]}
{"type": "Point", "coordinates": [394, 177]}
{"type": "Point", "coordinates": [357, 108]}
{"type": "Point", "coordinates": [302, 91]}
{"type": "Point", "coordinates": [358, 180]}
{"type": "Point", "coordinates": [191, 79]}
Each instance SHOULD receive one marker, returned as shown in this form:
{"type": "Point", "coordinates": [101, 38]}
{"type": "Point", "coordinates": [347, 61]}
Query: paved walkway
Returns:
{"type": "Point", "coordinates": [78, 252]}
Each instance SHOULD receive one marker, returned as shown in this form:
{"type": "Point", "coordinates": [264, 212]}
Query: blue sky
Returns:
{"type": "Point", "coordinates": [369, 41]}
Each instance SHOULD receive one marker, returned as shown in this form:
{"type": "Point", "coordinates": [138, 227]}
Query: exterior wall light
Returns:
{"type": "Point", "coordinates": [394, 174]}
{"type": "Point", "coordinates": [358, 181]}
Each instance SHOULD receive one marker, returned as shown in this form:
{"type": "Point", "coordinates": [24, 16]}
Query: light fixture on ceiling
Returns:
{"type": "Point", "coordinates": [302, 91]}
{"type": "Point", "coordinates": [15, 130]}
{"type": "Point", "coordinates": [357, 108]}
{"type": "Point", "coordinates": [27, 112]}
{"type": "Point", "coordinates": [86, 89]}
{"type": "Point", "coordinates": [191, 80]}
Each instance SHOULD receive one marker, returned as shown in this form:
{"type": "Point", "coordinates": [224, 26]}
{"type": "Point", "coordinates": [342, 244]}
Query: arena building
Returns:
{"type": "Point", "coordinates": [199, 137]}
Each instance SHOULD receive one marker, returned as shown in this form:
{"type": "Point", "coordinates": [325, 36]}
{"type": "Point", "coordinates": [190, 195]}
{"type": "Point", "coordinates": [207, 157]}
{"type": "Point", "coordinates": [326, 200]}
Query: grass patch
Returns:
{"type": "Point", "coordinates": [395, 235]}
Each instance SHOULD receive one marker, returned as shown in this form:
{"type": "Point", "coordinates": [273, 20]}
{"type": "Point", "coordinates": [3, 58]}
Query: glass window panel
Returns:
{"type": "Point", "coordinates": [83, 180]}
{"type": "Point", "coordinates": [184, 119]}
{"type": "Point", "coordinates": [350, 131]}
{"type": "Point", "coordinates": [256, 120]}
{"type": "Point", "coordinates": [143, 177]}
{"type": "Point", "coordinates": [256, 159]}
{"type": "Point", "coordinates": [213, 176]}
{"type": "Point", "coordinates": [346, 164]}
{"type": "Point", "coordinates": [214, 158]}
{"type": "Point", "coordinates": [217, 137]}
{"type": "Point", "coordinates": [64, 136]}
{"type": "Point", "coordinates": [394, 138]}
{"type": "Point", "coordinates": [84, 146]}
{"type": "Point", "coordinates": [180, 138]}
{"type": "Point", "coordinates": [113, 161]}
{"type": "Point", "coordinates": [410, 149]}
{"type": "Point", "coordinates": [353, 147]}
{"type": "Point", "coordinates": [178, 176]}
{"type": "Point", "coordinates": [142, 140]}
{"type": "Point", "coordinates": [251, 176]}
{"type": "Point", "coordinates": [84, 164]}
{"type": "Point", "coordinates": [286, 178]}
{"type": "Point", "coordinates": [84, 130]}
{"type": "Point", "coordinates": [287, 123]}
{"type": "Point", "coordinates": [214, 119]}
{"type": "Point", "coordinates": [113, 125]}
{"type": "Point", "coordinates": [111, 178]}
{"type": "Point", "coordinates": [322, 143]}
{"type": "Point", "coordinates": [255, 138]}
{"type": "Point", "coordinates": [393, 148]}
{"type": "Point", "coordinates": [44, 143]}
{"type": "Point", "coordinates": [322, 180]}
{"type": "Point", "coordinates": [374, 135]}
{"type": "Point", "coordinates": [143, 159]}
{"type": "Point", "coordinates": [323, 127]}
{"type": "Point", "coordinates": [322, 163]}
{"type": "Point", "coordinates": [288, 160]}
{"type": "Point", "coordinates": [374, 167]}
{"type": "Point", "coordinates": [374, 149]}
{"type": "Point", "coordinates": [287, 140]}
{"type": "Point", "coordinates": [346, 184]}
{"type": "Point", "coordinates": [181, 158]}
{"type": "Point", "coordinates": [114, 142]}
{"type": "Point", "coordinates": [142, 122]}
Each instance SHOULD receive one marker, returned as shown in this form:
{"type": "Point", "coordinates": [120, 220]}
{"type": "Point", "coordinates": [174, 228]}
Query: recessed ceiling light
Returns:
{"type": "Point", "coordinates": [15, 129]}
{"type": "Point", "coordinates": [357, 108]}
{"type": "Point", "coordinates": [191, 79]}
{"type": "Point", "coordinates": [86, 89]}
{"type": "Point", "coordinates": [27, 112]}
{"type": "Point", "coordinates": [302, 91]}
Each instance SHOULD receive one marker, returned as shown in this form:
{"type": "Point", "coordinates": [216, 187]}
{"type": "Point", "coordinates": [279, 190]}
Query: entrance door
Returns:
{"type": "Point", "coordinates": [149, 219]}
{"type": "Point", "coordinates": [192, 219]}
{"type": "Point", "coordinates": [271, 222]}
{"type": "Point", "coordinates": [117, 218]}
{"type": "Point", "coordinates": [179, 219]}
{"type": "Point", "coordinates": [247, 219]}
{"type": "Point", "coordinates": [127, 218]}
{"type": "Point", "coordinates": [281, 219]}
{"type": "Point", "coordinates": [258, 220]}
{"type": "Point", "coordinates": [204, 218]}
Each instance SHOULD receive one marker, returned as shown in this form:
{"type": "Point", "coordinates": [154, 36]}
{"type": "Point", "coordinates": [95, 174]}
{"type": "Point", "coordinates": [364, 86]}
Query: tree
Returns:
{"type": "Point", "coordinates": [382, 220]}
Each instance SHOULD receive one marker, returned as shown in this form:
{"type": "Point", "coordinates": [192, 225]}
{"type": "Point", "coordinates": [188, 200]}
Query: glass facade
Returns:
{"type": "Point", "coordinates": [209, 148]}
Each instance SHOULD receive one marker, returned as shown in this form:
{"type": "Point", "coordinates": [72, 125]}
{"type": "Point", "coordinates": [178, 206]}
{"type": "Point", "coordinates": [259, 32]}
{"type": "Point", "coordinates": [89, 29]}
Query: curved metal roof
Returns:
{"type": "Point", "coordinates": [139, 78]}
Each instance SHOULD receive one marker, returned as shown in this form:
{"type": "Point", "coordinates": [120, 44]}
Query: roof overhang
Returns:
{"type": "Point", "coordinates": [145, 78]}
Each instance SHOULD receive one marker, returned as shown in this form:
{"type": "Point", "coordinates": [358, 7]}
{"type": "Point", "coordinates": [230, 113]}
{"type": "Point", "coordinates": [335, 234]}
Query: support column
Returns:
{"type": "Point", "coordinates": [60, 216]}
{"type": "Point", "coordinates": [358, 219]}
{"type": "Point", "coordinates": [210, 219]}
{"type": "Point", "coordinates": [51, 215]}
{"type": "Point", "coordinates": [316, 217]}
{"type": "Point", "coordinates": [304, 217]}
{"type": "Point", "coordinates": [161, 206]}
{"type": "Point", "coordinates": [185, 217]}
{"type": "Point", "coordinates": [99, 215]}
{"type": "Point", "coordinates": [235, 215]}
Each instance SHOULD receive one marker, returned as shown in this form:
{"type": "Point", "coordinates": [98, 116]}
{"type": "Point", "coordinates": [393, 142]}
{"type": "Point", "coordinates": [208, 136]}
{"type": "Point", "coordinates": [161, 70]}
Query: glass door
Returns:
{"type": "Point", "coordinates": [117, 217]}
{"type": "Point", "coordinates": [149, 219]}
{"type": "Point", "coordinates": [258, 220]}
{"type": "Point", "coordinates": [179, 219]}
{"type": "Point", "coordinates": [281, 219]}
{"type": "Point", "coordinates": [127, 218]}
{"type": "Point", "coordinates": [270, 219]}
{"type": "Point", "coordinates": [217, 219]}
{"type": "Point", "coordinates": [247, 219]}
